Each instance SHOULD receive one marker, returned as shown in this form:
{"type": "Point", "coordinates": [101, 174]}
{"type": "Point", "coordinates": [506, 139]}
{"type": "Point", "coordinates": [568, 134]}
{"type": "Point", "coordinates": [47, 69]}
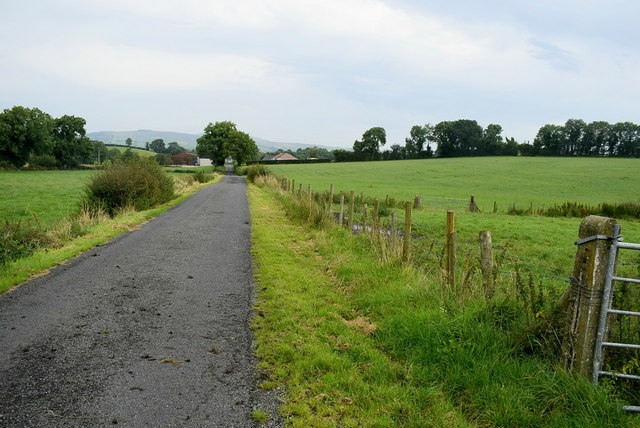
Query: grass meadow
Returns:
{"type": "Point", "coordinates": [505, 180]}
{"type": "Point", "coordinates": [46, 196]}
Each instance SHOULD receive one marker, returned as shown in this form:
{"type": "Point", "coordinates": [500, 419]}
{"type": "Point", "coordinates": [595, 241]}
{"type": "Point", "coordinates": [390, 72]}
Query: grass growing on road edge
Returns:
{"type": "Point", "coordinates": [19, 271]}
{"type": "Point", "coordinates": [357, 342]}
{"type": "Point", "coordinates": [312, 339]}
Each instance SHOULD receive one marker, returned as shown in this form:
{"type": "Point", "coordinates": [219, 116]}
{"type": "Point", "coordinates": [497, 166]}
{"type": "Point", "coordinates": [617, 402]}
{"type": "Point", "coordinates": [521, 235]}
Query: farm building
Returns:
{"type": "Point", "coordinates": [184, 159]}
{"type": "Point", "coordinates": [280, 156]}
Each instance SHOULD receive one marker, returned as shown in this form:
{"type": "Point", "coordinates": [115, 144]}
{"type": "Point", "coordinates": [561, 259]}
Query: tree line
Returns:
{"type": "Point", "coordinates": [31, 137]}
{"type": "Point", "coordinates": [467, 138]}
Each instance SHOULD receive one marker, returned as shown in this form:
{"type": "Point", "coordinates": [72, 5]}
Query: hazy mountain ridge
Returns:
{"type": "Point", "coordinates": [188, 141]}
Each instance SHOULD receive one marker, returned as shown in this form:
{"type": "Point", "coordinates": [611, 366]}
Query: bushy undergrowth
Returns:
{"type": "Point", "coordinates": [253, 171]}
{"type": "Point", "coordinates": [140, 184]}
{"type": "Point", "coordinates": [19, 239]}
{"type": "Point", "coordinates": [202, 176]}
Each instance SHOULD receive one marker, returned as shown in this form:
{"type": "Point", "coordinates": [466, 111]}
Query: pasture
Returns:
{"type": "Point", "coordinates": [45, 196]}
{"type": "Point", "coordinates": [505, 180]}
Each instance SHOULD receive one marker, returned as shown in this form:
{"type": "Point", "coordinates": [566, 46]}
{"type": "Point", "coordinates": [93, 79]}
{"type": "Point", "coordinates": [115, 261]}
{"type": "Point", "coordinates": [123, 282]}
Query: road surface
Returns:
{"type": "Point", "coordinates": [150, 329]}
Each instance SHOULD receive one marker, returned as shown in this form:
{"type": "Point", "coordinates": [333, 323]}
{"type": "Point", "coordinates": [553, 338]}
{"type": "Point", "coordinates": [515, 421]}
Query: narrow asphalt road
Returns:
{"type": "Point", "coordinates": [151, 329]}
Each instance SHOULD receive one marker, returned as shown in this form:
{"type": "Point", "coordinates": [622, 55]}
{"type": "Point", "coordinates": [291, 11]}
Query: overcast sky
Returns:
{"type": "Point", "coordinates": [322, 71]}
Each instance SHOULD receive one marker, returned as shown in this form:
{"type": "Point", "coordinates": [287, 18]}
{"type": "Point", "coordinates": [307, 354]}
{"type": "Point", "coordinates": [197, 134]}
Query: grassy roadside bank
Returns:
{"type": "Point", "coordinates": [38, 263]}
{"type": "Point", "coordinates": [360, 342]}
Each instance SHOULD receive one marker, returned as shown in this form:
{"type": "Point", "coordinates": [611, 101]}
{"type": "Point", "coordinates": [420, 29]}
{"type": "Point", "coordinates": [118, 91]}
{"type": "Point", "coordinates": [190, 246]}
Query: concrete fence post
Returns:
{"type": "Point", "coordinates": [486, 262]}
{"type": "Point", "coordinates": [584, 297]}
{"type": "Point", "coordinates": [451, 248]}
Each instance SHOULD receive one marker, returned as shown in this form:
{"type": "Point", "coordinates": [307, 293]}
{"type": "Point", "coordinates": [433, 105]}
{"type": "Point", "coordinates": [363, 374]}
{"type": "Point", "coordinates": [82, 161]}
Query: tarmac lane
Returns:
{"type": "Point", "coordinates": [150, 329]}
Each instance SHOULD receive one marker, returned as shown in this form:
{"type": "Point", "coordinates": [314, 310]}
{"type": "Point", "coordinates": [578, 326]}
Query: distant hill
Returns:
{"type": "Point", "coordinates": [142, 136]}
{"type": "Point", "coordinates": [188, 141]}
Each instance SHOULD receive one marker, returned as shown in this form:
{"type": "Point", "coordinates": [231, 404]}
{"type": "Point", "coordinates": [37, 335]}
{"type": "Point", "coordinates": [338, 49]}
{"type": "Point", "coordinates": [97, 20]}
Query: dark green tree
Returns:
{"type": "Point", "coordinates": [175, 149]}
{"type": "Point", "coordinates": [369, 148]}
{"type": "Point", "coordinates": [70, 145]}
{"type": "Point", "coordinates": [222, 139]}
{"type": "Point", "coordinates": [158, 146]}
{"type": "Point", "coordinates": [458, 138]}
{"type": "Point", "coordinates": [415, 144]}
{"type": "Point", "coordinates": [128, 142]}
{"type": "Point", "coordinates": [23, 132]}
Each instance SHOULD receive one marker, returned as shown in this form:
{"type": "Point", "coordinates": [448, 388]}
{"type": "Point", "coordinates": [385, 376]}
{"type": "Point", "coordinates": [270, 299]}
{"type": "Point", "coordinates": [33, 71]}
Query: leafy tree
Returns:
{"type": "Point", "coordinates": [396, 152]}
{"type": "Point", "coordinates": [24, 131]}
{"type": "Point", "coordinates": [146, 146]}
{"type": "Point", "coordinates": [175, 149]}
{"type": "Point", "coordinates": [369, 147]}
{"type": "Point", "coordinates": [70, 146]}
{"type": "Point", "coordinates": [158, 146]}
{"type": "Point", "coordinates": [548, 140]}
{"type": "Point", "coordinates": [222, 139]}
{"type": "Point", "coordinates": [241, 147]}
{"type": "Point", "coordinates": [458, 138]}
{"type": "Point", "coordinates": [163, 159]}
{"type": "Point", "coordinates": [129, 142]}
{"type": "Point", "coordinates": [415, 144]}
{"type": "Point", "coordinates": [491, 142]}
{"type": "Point", "coordinates": [341, 155]}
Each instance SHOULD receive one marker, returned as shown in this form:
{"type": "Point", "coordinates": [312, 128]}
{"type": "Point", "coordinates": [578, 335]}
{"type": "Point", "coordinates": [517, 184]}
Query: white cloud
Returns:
{"type": "Point", "coordinates": [126, 68]}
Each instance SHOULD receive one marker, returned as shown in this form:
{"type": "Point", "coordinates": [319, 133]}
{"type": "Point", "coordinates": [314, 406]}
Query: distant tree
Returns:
{"type": "Point", "coordinates": [222, 139]}
{"type": "Point", "coordinates": [241, 147]}
{"type": "Point", "coordinates": [341, 155]}
{"type": "Point", "coordinates": [458, 138]}
{"type": "Point", "coordinates": [129, 142]}
{"type": "Point", "coordinates": [395, 152]}
{"type": "Point", "coordinates": [158, 146]}
{"type": "Point", "coordinates": [175, 149]}
{"type": "Point", "coordinates": [491, 142]}
{"type": "Point", "coordinates": [369, 147]}
{"type": "Point", "coordinates": [24, 131]}
{"type": "Point", "coordinates": [70, 145]}
{"type": "Point", "coordinates": [415, 144]}
{"type": "Point", "coordinates": [146, 146]}
{"type": "Point", "coordinates": [549, 140]}
{"type": "Point", "coordinates": [163, 159]}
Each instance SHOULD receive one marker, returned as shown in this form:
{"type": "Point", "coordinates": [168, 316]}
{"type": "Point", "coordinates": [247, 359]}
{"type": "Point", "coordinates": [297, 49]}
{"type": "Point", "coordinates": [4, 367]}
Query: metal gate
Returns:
{"type": "Point", "coordinates": [606, 310]}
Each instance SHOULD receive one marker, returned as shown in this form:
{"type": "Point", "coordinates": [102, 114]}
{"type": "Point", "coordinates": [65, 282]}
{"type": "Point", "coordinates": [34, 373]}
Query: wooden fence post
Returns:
{"type": "Point", "coordinates": [341, 214]}
{"type": "Point", "coordinates": [406, 244]}
{"type": "Point", "coordinates": [451, 248]}
{"type": "Point", "coordinates": [417, 201]}
{"type": "Point", "coordinates": [293, 186]}
{"type": "Point", "coordinates": [486, 262]}
{"type": "Point", "coordinates": [584, 297]}
{"type": "Point", "coordinates": [300, 190]}
{"type": "Point", "coordinates": [365, 210]}
{"type": "Point", "coordinates": [352, 204]}
{"type": "Point", "coordinates": [394, 233]}
{"type": "Point", "coordinates": [374, 219]}
{"type": "Point", "coordinates": [330, 198]}
{"type": "Point", "coordinates": [473, 207]}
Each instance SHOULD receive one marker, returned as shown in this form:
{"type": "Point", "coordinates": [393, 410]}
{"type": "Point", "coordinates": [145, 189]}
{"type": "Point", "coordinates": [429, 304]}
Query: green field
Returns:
{"type": "Point", "coordinates": [505, 180]}
{"type": "Point", "coordinates": [136, 150]}
{"type": "Point", "coordinates": [47, 196]}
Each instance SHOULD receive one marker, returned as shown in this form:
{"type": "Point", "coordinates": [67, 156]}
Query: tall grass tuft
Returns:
{"type": "Point", "coordinates": [140, 184]}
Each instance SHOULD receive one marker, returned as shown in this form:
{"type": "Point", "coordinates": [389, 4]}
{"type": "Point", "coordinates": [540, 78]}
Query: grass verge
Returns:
{"type": "Point", "coordinates": [360, 342]}
{"type": "Point", "coordinates": [38, 263]}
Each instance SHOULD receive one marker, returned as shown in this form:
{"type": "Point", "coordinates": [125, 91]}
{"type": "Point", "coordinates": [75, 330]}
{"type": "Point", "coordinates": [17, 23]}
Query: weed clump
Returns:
{"type": "Point", "coordinates": [19, 240]}
{"type": "Point", "coordinates": [139, 183]}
